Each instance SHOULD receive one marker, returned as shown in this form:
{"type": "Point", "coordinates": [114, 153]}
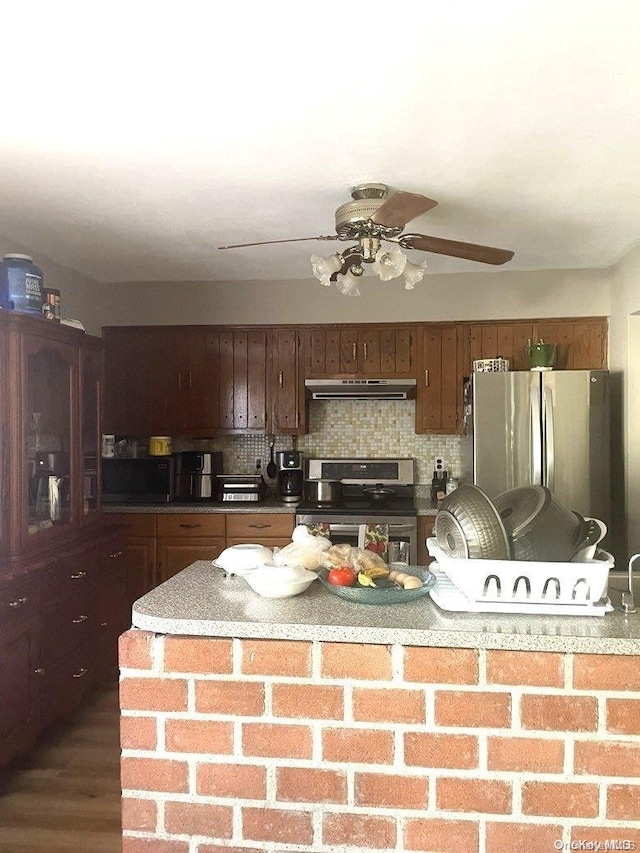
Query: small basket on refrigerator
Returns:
{"type": "Point", "coordinates": [491, 365]}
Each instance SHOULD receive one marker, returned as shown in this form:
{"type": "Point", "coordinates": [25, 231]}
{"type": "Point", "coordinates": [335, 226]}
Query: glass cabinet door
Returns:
{"type": "Point", "coordinates": [49, 424]}
{"type": "Point", "coordinates": [90, 430]}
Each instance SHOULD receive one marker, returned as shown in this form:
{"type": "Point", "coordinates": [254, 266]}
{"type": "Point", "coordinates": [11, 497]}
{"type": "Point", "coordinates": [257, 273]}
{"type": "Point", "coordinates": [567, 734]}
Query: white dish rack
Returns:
{"type": "Point", "coordinates": [518, 585]}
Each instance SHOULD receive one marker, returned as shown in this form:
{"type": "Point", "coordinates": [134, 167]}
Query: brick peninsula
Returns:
{"type": "Point", "coordinates": [316, 725]}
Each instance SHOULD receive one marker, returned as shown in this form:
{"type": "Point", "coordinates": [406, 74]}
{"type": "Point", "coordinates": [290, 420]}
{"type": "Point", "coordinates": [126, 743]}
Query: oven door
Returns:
{"type": "Point", "coordinates": [346, 529]}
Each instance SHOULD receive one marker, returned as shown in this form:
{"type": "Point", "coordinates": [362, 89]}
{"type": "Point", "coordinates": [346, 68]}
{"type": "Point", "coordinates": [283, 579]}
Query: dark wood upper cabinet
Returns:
{"type": "Point", "coordinates": [366, 350]}
{"type": "Point", "coordinates": [439, 385]}
{"type": "Point", "coordinates": [285, 385]}
{"type": "Point", "coordinates": [184, 380]}
{"type": "Point", "coordinates": [206, 380]}
{"type": "Point", "coordinates": [581, 343]}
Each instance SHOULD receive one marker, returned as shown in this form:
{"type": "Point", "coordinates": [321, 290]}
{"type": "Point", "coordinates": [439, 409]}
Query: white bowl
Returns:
{"type": "Point", "coordinates": [243, 558]}
{"type": "Point", "coordinates": [280, 581]}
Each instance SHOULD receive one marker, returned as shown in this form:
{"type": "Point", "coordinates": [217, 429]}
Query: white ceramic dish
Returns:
{"type": "Point", "coordinates": [272, 581]}
{"type": "Point", "coordinates": [243, 558]}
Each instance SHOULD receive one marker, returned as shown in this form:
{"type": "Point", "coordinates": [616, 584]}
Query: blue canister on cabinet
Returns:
{"type": "Point", "coordinates": [20, 285]}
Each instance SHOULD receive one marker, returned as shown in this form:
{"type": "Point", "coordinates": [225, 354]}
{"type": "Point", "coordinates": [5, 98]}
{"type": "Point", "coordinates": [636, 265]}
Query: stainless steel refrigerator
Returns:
{"type": "Point", "coordinates": [548, 427]}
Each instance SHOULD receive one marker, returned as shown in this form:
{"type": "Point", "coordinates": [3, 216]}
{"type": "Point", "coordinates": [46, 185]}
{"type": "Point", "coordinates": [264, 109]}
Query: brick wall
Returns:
{"type": "Point", "coordinates": [256, 745]}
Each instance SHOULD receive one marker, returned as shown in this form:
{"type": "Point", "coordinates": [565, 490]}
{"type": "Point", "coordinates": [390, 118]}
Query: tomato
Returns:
{"type": "Point", "coordinates": [342, 576]}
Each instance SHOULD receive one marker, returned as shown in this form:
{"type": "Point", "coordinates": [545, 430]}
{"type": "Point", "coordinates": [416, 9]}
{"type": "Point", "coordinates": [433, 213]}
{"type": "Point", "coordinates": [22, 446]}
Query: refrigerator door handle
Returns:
{"type": "Point", "coordinates": [536, 436]}
{"type": "Point", "coordinates": [549, 441]}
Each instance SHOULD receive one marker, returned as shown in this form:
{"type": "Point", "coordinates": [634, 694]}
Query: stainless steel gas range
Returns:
{"type": "Point", "coordinates": [374, 491]}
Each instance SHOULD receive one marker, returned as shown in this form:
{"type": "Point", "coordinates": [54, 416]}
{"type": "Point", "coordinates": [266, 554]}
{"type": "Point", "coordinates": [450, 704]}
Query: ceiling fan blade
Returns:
{"type": "Point", "coordinates": [401, 208]}
{"type": "Point", "coordinates": [268, 242]}
{"type": "Point", "coordinates": [456, 249]}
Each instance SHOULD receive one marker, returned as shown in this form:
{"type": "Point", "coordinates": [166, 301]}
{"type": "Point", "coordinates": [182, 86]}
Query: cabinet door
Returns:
{"type": "Point", "coordinates": [360, 351]}
{"type": "Point", "coordinates": [114, 608]}
{"type": "Point", "coordinates": [90, 430]}
{"type": "Point", "coordinates": [139, 552]}
{"type": "Point", "coordinates": [386, 352]}
{"type": "Point", "coordinates": [19, 687]}
{"type": "Point", "coordinates": [140, 561]}
{"type": "Point", "coordinates": [174, 555]}
{"type": "Point", "coordinates": [322, 353]}
{"type": "Point", "coordinates": [243, 371]}
{"type": "Point", "coordinates": [137, 367]}
{"type": "Point", "coordinates": [440, 383]}
{"type": "Point", "coordinates": [49, 475]}
{"type": "Point", "coordinates": [203, 382]}
{"type": "Point", "coordinates": [285, 389]}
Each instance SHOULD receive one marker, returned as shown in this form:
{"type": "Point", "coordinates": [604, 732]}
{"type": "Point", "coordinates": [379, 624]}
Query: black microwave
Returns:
{"type": "Point", "coordinates": [138, 481]}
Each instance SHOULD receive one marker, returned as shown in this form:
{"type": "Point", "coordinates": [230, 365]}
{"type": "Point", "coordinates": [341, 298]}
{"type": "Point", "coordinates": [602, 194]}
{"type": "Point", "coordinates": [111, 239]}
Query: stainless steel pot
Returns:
{"type": "Point", "coordinates": [323, 491]}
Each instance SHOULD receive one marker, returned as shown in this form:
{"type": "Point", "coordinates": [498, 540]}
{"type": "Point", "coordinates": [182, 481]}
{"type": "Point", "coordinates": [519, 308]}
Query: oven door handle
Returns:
{"type": "Point", "coordinates": [353, 528]}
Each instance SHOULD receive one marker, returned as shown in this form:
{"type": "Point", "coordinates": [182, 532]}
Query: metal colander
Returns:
{"type": "Point", "coordinates": [468, 521]}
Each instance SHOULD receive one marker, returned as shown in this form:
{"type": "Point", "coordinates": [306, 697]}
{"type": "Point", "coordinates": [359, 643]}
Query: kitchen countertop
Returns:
{"type": "Point", "coordinates": [202, 601]}
{"type": "Point", "coordinates": [268, 505]}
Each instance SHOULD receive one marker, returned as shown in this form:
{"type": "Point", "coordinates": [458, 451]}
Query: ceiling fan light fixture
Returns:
{"type": "Point", "coordinates": [348, 284]}
{"type": "Point", "coordinates": [323, 268]}
{"type": "Point", "coordinates": [389, 263]}
{"type": "Point", "coordinates": [413, 273]}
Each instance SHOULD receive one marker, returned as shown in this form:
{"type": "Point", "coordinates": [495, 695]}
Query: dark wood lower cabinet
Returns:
{"type": "Point", "coordinates": [20, 696]}
{"type": "Point", "coordinates": [59, 629]}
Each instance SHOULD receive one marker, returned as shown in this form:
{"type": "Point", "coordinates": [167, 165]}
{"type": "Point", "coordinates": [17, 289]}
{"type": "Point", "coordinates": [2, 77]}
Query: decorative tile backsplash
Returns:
{"type": "Point", "coordinates": [345, 428]}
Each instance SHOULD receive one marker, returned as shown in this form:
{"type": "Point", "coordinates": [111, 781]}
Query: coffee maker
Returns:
{"type": "Point", "coordinates": [290, 476]}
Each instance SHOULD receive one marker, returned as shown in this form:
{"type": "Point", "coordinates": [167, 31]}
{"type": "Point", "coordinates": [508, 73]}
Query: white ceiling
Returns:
{"type": "Point", "coordinates": [137, 137]}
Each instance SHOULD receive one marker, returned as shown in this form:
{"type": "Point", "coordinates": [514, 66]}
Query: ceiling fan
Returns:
{"type": "Point", "coordinates": [375, 216]}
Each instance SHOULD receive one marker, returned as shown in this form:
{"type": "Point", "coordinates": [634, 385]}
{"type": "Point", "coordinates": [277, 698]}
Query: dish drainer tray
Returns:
{"type": "Point", "coordinates": [448, 597]}
{"type": "Point", "coordinates": [527, 582]}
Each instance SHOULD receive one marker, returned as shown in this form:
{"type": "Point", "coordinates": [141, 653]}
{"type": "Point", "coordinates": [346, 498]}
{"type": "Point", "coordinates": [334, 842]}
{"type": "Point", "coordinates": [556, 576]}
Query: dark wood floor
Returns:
{"type": "Point", "coordinates": [64, 796]}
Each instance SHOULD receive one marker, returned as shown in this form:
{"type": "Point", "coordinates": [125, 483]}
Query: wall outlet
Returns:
{"type": "Point", "coordinates": [439, 464]}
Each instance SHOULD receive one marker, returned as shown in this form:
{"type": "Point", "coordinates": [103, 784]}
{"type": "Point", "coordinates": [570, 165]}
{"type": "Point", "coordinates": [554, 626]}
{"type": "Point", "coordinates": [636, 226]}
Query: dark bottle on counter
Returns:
{"type": "Point", "coordinates": [438, 487]}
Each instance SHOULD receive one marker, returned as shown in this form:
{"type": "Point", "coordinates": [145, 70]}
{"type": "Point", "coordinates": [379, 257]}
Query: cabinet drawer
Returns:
{"type": "Point", "coordinates": [256, 526]}
{"type": "Point", "coordinates": [69, 575]}
{"type": "Point", "coordinates": [191, 524]}
{"type": "Point", "coordinates": [19, 599]}
{"type": "Point", "coordinates": [135, 523]}
{"type": "Point", "coordinates": [67, 680]}
{"type": "Point", "coordinates": [68, 624]}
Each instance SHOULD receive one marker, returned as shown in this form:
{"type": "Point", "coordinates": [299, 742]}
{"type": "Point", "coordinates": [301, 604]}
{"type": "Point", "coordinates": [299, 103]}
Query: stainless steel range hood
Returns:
{"type": "Point", "coordinates": [361, 389]}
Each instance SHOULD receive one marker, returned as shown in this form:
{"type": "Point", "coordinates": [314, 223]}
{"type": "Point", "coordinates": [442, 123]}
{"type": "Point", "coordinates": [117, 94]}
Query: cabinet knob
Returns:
{"type": "Point", "coordinates": [426, 378]}
{"type": "Point", "coordinates": [281, 379]}
{"type": "Point", "coordinates": [190, 526]}
{"type": "Point", "coordinates": [80, 673]}
{"type": "Point", "coordinates": [78, 575]}
{"type": "Point", "coordinates": [259, 526]}
{"type": "Point", "coordinates": [116, 554]}
{"type": "Point", "coordinates": [82, 618]}
{"type": "Point", "coordinates": [39, 671]}
{"type": "Point", "coordinates": [354, 351]}
{"type": "Point", "coordinates": [365, 348]}
{"type": "Point", "coordinates": [18, 603]}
